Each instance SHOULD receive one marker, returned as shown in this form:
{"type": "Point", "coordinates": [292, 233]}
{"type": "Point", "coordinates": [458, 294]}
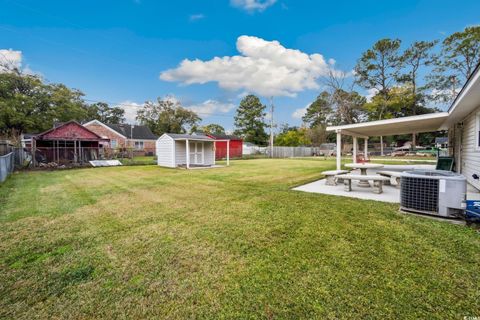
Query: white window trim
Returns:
{"type": "Point", "coordinates": [113, 143]}
{"type": "Point", "coordinates": [139, 142]}
{"type": "Point", "coordinates": [477, 131]}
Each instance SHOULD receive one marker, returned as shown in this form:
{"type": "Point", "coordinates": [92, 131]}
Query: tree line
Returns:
{"type": "Point", "coordinates": [30, 104]}
{"type": "Point", "coordinates": [401, 81]}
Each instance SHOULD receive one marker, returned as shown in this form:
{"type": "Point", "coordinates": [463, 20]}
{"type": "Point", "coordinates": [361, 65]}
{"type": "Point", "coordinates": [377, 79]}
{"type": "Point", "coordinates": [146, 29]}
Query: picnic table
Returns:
{"type": "Point", "coordinates": [363, 170]}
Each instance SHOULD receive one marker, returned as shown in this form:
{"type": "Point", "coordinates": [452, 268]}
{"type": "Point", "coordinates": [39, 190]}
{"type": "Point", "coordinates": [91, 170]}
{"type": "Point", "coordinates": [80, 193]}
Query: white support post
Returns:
{"type": "Point", "coordinates": [228, 153]}
{"type": "Point", "coordinates": [187, 150]}
{"type": "Point", "coordinates": [355, 147]}
{"type": "Point", "coordinates": [381, 147]}
{"type": "Point", "coordinates": [34, 151]}
{"type": "Point", "coordinates": [339, 150]}
{"type": "Point", "coordinates": [365, 152]}
{"type": "Point", "coordinates": [214, 150]}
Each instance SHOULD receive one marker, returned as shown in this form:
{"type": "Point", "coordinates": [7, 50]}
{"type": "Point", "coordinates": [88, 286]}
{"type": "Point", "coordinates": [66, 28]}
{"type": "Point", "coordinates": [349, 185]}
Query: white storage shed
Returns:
{"type": "Point", "coordinates": [184, 150]}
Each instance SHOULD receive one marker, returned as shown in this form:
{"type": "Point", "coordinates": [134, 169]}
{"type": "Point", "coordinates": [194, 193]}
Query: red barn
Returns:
{"type": "Point", "coordinates": [236, 144]}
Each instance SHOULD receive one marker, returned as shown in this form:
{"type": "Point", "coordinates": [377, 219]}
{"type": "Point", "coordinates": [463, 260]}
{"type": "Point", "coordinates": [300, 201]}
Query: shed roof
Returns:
{"type": "Point", "coordinates": [441, 140]}
{"type": "Point", "coordinates": [180, 136]}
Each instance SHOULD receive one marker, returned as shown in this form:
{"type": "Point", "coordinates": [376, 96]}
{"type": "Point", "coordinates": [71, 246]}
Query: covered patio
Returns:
{"type": "Point", "coordinates": [406, 125]}
{"type": "Point", "coordinates": [361, 133]}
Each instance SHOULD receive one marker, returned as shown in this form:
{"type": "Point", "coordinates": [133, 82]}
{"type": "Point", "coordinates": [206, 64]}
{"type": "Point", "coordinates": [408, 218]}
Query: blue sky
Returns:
{"type": "Point", "coordinates": [115, 51]}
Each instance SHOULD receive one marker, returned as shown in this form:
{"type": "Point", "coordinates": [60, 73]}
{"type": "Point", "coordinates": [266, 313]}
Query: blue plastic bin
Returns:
{"type": "Point", "coordinates": [472, 213]}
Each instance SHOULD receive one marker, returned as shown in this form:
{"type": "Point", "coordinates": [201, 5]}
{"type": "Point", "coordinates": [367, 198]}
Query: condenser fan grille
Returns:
{"type": "Point", "coordinates": [419, 194]}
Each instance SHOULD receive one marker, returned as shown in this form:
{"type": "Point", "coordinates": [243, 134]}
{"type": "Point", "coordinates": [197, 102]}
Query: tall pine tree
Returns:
{"type": "Point", "coordinates": [318, 111]}
{"type": "Point", "coordinates": [249, 120]}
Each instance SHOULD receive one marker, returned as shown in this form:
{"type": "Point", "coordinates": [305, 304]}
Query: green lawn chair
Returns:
{"type": "Point", "coordinates": [445, 163]}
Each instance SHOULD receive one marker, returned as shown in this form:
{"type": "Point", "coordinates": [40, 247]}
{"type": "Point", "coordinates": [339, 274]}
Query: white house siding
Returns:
{"type": "Point", "coordinates": [180, 153]}
{"type": "Point", "coordinates": [164, 147]}
{"type": "Point", "coordinates": [469, 149]}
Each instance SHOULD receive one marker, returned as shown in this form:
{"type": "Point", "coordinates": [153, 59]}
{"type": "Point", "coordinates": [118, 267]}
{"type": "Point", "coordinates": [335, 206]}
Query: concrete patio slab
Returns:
{"type": "Point", "coordinates": [390, 193]}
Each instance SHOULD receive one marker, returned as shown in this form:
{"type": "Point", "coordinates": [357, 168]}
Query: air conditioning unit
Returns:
{"type": "Point", "coordinates": [434, 192]}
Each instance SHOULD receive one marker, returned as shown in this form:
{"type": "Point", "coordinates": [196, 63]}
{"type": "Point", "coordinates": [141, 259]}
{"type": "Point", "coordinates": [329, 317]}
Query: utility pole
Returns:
{"type": "Point", "coordinates": [131, 141]}
{"type": "Point", "coordinates": [271, 127]}
{"type": "Point", "coordinates": [453, 80]}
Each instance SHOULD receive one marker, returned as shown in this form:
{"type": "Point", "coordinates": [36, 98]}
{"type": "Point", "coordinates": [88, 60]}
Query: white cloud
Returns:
{"type": "Point", "coordinates": [210, 107]}
{"type": "Point", "coordinates": [196, 17]}
{"type": "Point", "coordinates": [264, 67]}
{"type": "Point", "coordinates": [130, 109]}
{"type": "Point", "coordinates": [252, 5]}
{"type": "Point", "coordinates": [300, 112]}
{"type": "Point", "coordinates": [10, 59]}
{"type": "Point", "coordinates": [13, 59]}
{"type": "Point", "coordinates": [371, 93]}
{"type": "Point", "coordinates": [204, 109]}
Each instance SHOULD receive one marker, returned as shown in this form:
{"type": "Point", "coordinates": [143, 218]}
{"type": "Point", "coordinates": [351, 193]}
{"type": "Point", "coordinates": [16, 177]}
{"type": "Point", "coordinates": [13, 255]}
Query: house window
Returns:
{"type": "Point", "coordinates": [113, 143]}
{"type": "Point", "coordinates": [138, 145]}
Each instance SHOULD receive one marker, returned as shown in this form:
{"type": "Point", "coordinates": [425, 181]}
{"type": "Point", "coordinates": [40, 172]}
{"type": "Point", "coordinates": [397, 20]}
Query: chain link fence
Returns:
{"type": "Point", "coordinates": [64, 157]}
{"type": "Point", "coordinates": [7, 164]}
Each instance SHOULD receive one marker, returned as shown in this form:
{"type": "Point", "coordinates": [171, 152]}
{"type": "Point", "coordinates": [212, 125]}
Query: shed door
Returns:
{"type": "Point", "coordinates": [196, 152]}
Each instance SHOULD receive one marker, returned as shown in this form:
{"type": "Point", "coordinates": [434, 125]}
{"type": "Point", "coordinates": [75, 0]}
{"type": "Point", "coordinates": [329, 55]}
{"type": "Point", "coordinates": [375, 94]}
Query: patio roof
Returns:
{"type": "Point", "coordinates": [421, 123]}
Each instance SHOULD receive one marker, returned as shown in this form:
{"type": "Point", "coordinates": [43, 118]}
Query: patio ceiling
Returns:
{"type": "Point", "coordinates": [414, 124]}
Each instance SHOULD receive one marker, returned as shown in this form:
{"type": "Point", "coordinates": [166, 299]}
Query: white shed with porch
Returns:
{"type": "Point", "coordinates": [184, 150]}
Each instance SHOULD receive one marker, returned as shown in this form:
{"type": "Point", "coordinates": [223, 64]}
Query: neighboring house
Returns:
{"type": "Point", "coordinates": [462, 120]}
{"type": "Point", "coordinates": [441, 142]}
{"type": "Point", "coordinates": [327, 149]}
{"type": "Point", "coordinates": [68, 142]}
{"type": "Point", "coordinates": [26, 139]}
{"type": "Point", "coordinates": [184, 150]}
{"type": "Point", "coordinates": [235, 146]}
{"type": "Point", "coordinates": [140, 138]}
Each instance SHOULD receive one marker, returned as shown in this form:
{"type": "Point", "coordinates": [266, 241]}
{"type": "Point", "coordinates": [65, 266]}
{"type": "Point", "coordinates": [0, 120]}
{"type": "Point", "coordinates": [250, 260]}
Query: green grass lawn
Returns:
{"type": "Point", "coordinates": [139, 160]}
{"type": "Point", "coordinates": [236, 242]}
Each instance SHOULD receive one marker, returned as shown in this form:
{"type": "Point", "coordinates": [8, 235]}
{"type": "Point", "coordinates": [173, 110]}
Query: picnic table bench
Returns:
{"type": "Point", "coordinates": [393, 175]}
{"type": "Point", "coordinates": [377, 181]}
{"type": "Point", "coordinates": [331, 177]}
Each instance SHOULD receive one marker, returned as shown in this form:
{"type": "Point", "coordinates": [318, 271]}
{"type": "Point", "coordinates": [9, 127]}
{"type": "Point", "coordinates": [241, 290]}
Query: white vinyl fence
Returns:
{"type": "Point", "coordinates": [6, 165]}
{"type": "Point", "coordinates": [290, 152]}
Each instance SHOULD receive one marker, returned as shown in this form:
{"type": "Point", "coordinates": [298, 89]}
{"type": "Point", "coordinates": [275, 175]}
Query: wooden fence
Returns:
{"type": "Point", "coordinates": [291, 152]}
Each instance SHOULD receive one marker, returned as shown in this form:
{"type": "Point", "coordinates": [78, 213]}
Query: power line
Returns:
{"type": "Point", "coordinates": [140, 105]}
{"type": "Point", "coordinates": [89, 53]}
